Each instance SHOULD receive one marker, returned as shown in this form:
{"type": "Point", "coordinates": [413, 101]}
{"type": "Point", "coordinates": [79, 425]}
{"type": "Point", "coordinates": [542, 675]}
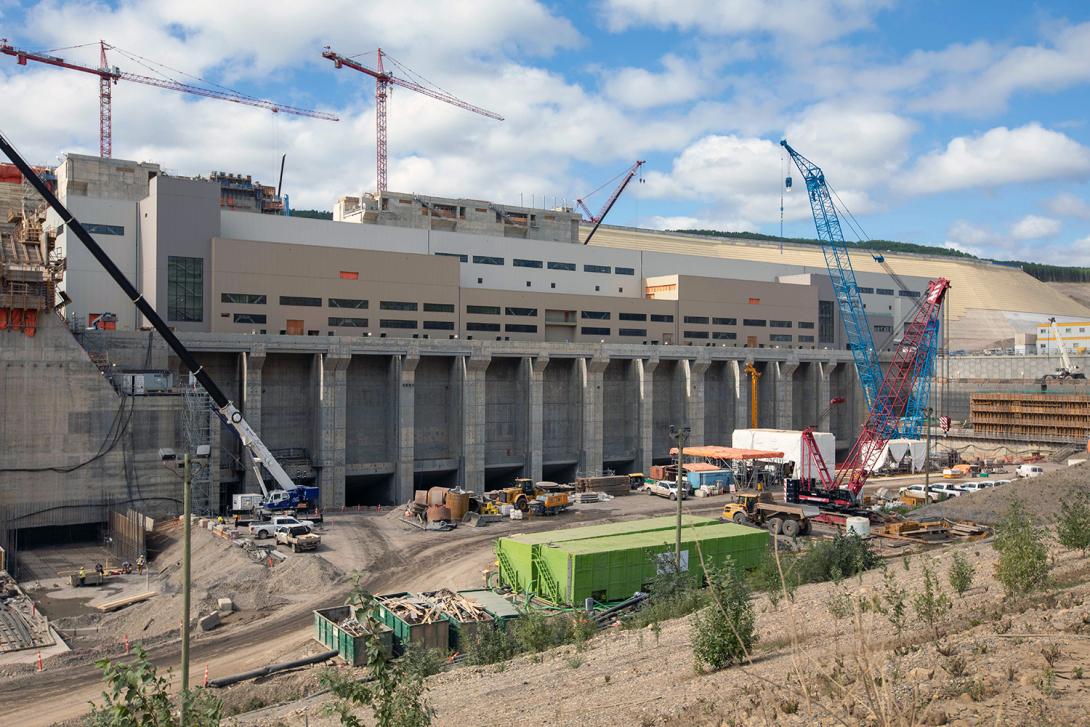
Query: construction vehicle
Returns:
{"type": "Point", "coordinates": [751, 507]}
{"type": "Point", "coordinates": [754, 377]}
{"type": "Point", "coordinates": [290, 495]}
{"type": "Point", "coordinates": [666, 488]}
{"type": "Point", "coordinates": [268, 528]}
{"type": "Point", "coordinates": [299, 537]}
{"type": "Point", "coordinates": [1068, 370]}
{"type": "Point", "coordinates": [543, 498]}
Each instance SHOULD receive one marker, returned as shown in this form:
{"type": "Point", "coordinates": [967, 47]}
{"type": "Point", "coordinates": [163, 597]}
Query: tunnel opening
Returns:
{"type": "Point", "coordinates": [435, 478]}
{"type": "Point", "coordinates": [562, 472]}
{"type": "Point", "coordinates": [370, 490]}
{"type": "Point", "coordinates": [496, 478]}
{"type": "Point", "coordinates": [620, 466]}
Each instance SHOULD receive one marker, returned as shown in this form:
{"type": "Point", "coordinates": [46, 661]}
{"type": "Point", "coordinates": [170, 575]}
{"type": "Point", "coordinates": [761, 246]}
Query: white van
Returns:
{"type": "Point", "coordinates": [1029, 470]}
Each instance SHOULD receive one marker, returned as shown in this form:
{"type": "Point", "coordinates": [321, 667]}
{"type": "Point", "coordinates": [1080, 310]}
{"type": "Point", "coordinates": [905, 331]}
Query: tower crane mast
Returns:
{"type": "Point", "coordinates": [108, 76]}
{"type": "Point", "coordinates": [383, 80]}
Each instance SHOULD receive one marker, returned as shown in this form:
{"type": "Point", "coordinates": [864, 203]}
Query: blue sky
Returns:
{"type": "Point", "coordinates": [954, 124]}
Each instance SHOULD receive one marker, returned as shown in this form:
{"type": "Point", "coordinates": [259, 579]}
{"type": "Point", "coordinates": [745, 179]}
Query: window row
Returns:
{"type": "Point", "coordinates": [358, 304]}
{"type": "Point", "coordinates": [539, 264]}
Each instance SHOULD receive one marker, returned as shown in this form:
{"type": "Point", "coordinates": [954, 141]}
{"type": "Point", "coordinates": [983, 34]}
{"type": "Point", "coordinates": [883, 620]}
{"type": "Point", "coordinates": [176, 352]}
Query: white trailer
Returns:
{"type": "Point", "coordinates": [788, 441]}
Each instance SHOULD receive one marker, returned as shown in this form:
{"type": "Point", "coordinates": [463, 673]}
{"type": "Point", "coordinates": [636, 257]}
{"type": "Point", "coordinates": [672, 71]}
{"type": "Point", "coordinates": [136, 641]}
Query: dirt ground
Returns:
{"type": "Point", "coordinates": [1042, 494]}
{"type": "Point", "coordinates": [275, 621]}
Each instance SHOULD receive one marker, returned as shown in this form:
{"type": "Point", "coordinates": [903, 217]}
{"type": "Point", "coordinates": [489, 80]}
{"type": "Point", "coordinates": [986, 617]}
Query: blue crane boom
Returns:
{"type": "Point", "coordinates": [848, 298]}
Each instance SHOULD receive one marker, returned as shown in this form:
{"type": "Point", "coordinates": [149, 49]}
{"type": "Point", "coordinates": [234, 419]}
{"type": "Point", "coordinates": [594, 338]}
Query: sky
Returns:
{"type": "Point", "coordinates": [960, 125]}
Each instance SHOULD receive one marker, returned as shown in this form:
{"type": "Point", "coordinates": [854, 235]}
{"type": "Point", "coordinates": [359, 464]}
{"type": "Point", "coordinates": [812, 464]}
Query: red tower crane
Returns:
{"type": "Point", "coordinates": [108, 76]}
{"type": "Point", "coordinates": [596, 220]}
{"type": "Point", "coordinates": [383, 80]}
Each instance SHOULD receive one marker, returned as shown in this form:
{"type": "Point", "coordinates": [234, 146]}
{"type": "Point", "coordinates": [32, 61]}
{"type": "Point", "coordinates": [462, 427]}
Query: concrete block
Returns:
{"type": "Point", "coordinates": [225, 606]}
{"type": "Point", "coordinates": [209, 622]}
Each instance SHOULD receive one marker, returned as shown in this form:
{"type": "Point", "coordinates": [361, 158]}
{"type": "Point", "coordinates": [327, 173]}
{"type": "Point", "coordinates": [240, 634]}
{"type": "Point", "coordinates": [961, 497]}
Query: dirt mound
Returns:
{"type": "Point", "coordinates": [1041, 495]}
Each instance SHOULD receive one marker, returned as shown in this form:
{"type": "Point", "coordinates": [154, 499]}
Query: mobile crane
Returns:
{"type": "Point", "coordinates": [1068, 370]}
{"type": "Point", "coordinates": [290, 495]}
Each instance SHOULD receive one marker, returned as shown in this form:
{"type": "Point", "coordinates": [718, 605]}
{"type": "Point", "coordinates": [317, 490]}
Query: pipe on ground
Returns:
{"type": "Point", "coordinates": [270, 669]}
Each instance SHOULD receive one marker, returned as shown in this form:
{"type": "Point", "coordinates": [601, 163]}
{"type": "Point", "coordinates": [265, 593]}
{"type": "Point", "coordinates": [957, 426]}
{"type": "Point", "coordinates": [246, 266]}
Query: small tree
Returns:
{"type": "Point", "coordinates": [136, 696]}
{"type": "Point", "coordinates": [725, 632]}
{"type": "Point", "coordinates": [1023, 554]}
{"type": "Point", "coordinates": [892, 602]}
{"type": "Point", "coordinates": [961, 573]}
{"type": "Point", "coordinates": [931, 603]}
{"type": "Point", "coordinates": [1073, 523]}
{"type": "Point", "coordinates": [394, 692]}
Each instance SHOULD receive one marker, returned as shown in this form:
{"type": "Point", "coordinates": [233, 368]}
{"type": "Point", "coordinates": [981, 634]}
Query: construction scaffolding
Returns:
{"type": "Point", "coordinates": [1060, 418]}
{"type": "Point", "coordinates": [197, 428]}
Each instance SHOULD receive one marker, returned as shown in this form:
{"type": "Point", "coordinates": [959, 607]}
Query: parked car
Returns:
{"type": "Point", "coordinates": [948, 489]}
{"type": "Point", "coordinates": [978, 486]}
{"type": "Point", "coordinates": [666, 488]}
{"type": "Point", "coordinates": [916, 492]}
{"type": "Point", "coordinates": [267, 528]}
{"type": "Point", "coordinates": [997, 483]}
{"type": "Point", "coordinates": [1030, 470]}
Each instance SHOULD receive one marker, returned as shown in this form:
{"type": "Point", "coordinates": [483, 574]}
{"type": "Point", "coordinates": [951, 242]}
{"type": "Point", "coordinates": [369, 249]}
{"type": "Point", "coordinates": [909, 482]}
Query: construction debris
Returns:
{"type": "Point", "coordinates": [457, 606]}
{"type": "Point", "coordinates": [22, 626]}
{"type": "Point", "coordinates": [412, 609]}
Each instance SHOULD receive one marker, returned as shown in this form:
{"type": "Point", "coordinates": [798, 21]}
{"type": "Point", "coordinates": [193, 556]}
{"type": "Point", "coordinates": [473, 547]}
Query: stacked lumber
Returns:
{"type": "Point", "coordinates": [616, 485]}
{"type": "Point", "coordinates": [127, 601]}
{"type": "Point", "coordinates": [412, 609]}
{"type": "Point", "coordinates": [967, 529]}
{"type": "Point", "coordinates": [457, 606]}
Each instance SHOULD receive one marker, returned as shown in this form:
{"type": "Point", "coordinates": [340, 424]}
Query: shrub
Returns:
{"type": "Point", "coordinates": [1073, 523]}
{"type": "Point", "coordinates": [832, 560]}
{"type": "Point", "coordinates": [961, 574]}
{"type": "Point", "coordinates": [136, 696]}
{"type": "Point", "coordinates": [1023, 555]}
{"type": "Point", "coordinates": [725, 632]}
{"type": "Point", "coordinates": [423, 662]}
{"type": "Point", "coordinates": [490, 645]}
{"type": "Point", "coordinates": [673, 595]}
{"type": "Point", "coordinates": [538, 631]}
{"type": "Point", "coordinates": [892, 602]}
{"type": "Point", "coordinates": [776, 575]}
{"type": "Point", "coordinates": [930, 604]}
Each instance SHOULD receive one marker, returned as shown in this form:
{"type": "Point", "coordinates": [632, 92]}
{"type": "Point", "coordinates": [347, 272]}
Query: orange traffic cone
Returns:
{"type": "Point", "coordinates": [40, 667]}
{"type": "Point", "coordinates": [205, 675]}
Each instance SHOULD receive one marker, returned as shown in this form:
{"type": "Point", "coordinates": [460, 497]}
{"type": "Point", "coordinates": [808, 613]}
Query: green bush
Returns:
{"type": "Point", "coordinates": [961, 573]}
{"type": "Point", "coordinates": [776, 575]}
{"type": "Point", "coordinates": [930, 604]}
{"type": "Point", "coordinates": [538, 631]}
{"type": "Point", "coordinates": [833, 560]}
{"type": "Point", "coordinates": [1073, 523]}
{"type": "Point", "coordinates": [423, 662]}
{"type": "Point", "coordinates": [490, 645]}
{"type": "Point", "coordinates": [725, 632]}
{"type": "Point", "coordinates": [1023, 554]}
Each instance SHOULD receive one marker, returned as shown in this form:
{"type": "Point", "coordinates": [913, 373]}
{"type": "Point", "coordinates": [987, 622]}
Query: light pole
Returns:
{"type": "Point", "coordinates": [679, 436]}
{"type": "Point", "coordinates": [927, 452]}
{"type": "Point", "coordinates": [185, 586]}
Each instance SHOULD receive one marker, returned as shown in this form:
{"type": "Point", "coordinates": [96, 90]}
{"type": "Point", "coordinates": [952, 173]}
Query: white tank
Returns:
{"type": "Point", "coordinates": [858, 525]}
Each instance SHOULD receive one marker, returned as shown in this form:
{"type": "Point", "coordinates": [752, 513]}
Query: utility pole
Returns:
{"type": "Point", "coordinates": [680, 436]}
{"type": "Point", "coordinates": [185, 587]}
{"type": "Point", "coordinates": [927, 452]}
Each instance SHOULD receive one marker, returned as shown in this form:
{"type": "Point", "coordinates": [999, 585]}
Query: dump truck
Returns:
{"type": "Point", "coordinates": [751, 507]}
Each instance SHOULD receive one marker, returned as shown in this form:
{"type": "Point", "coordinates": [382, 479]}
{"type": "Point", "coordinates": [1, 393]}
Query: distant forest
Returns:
{"type": "Point", "coordinates": [313, 214]}
{"type": "Point", "coordinates": [1044, 273]}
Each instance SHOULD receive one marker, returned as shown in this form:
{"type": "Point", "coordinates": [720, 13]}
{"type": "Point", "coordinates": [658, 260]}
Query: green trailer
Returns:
{"type": "Point", "coordinates": [613, 567]}
{"type": "Point", "coordinates": [433, 635]}
{"type": "Point", "coordinates": [350, 643]}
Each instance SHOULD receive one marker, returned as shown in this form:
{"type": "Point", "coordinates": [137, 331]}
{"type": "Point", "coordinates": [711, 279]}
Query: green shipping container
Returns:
{"type": "Point", "coordinates": [612, 568]}
{"type": "Point", "coordinates": [516, 553]}
{"type": "Point", "coordinates": [353, 649]}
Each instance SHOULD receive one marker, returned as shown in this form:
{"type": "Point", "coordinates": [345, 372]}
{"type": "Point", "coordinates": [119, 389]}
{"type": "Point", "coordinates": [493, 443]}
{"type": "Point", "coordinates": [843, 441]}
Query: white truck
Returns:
{"type": "Point", "coordinates": [666, 488]}
{"type": "Point", "coordinates": [299, 537]}
{"type": "Point", "coordinates": [267, 528]}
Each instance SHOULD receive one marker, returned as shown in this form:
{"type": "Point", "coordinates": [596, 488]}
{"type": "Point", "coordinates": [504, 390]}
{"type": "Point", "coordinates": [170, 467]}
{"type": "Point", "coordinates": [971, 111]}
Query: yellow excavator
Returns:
{"type": "Point", "coordinates": [754, 377]}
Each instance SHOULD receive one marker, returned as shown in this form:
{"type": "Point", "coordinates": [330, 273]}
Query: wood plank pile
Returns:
{"type": "Point", "coordinates": [127, 601]}
{"type": "Point", "coordinates": [458, 607]}
{"type": "Point", "coordinates": [413, 610]}
{"type": "Point", "coordinates": [967, 529]}
{"type": "Point", "coordinates": [616, 485]}
{"type": "Point", "coordinates": [354, 627]}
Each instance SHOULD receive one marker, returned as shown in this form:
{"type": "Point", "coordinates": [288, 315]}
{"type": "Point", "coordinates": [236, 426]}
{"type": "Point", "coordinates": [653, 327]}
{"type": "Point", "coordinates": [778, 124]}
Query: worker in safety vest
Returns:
{"type": "Point", "coordinates": [140, 565]}
{"type": "Point", "coordinates": [82, 575]}
{"type": "Point", "coordinates": [220, 520]}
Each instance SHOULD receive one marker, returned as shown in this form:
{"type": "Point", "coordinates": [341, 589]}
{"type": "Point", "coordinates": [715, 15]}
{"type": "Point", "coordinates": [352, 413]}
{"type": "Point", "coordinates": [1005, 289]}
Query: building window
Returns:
{"type": "Point", "coordinates": [754, 322]}
{"type": "Point", "coordinates": [601, 315]}
{"type": "Point", "coordinates": [347, 303]}
{"type": "Point", "coordinates": [695, 334]}
{"type": "Point", "coordinates": [779, 324]}
{"type": "Point", "coordinates": [593, 331]}
{"type": "Point", "coordinates": [397, 305]}
{"type": "Point", "coordinates": [754, 301]}
{"type": "Point", "coordinates": [439, 325]}
{"type": "Point", "coordinates": [520, 328]}
{"type": "Point", "coordinates": [868, 291]}
{"type": "Point", "coordinates": [300, 300]}
{"type": "Point", "coordinates": [883, 329]}
{"type": "Point", "coordinates": [625, 271]}
{"type": "Point", "coordinates": [908, 294]}
{"type": "Point", "coordinates": [825, 321]}
{"type": "Point", "coordinates": [639, 332]}
{"type": "Point", "coordinates": [438, 307]}
{"type": "Point", "coordinates": [520, 263]}
{"type": "Point", "coordinates": [396, 323]}
{"type": "Point", "coordinates": [185, 289]}
{"type": "Point", "coordinates": [104, 229]}
{"type": "Point", "coordinates": [596, 269]}
{"type": "Point", "coordinates": [483, 310]}
{"type": "Point", "coordinates": [347, 322]}
{"type": "Point", "coordinates": [696, 319]}
{"type": "Point", "coordinates": [806, 324]}
{"type": "Point", "coordinates": [780, 338]}
{"type": "Point", "coordinates": [243, 298]}
{"type": "Point", "coordinates": [349, 275]}
{"type": "Point", "coordinates": [632, 316]}
{"type": "Point", "coordinates": [805, 339]}
{"type": "Point", "coordinates": [725, 321]}
{"type": "Point", "coordinates": [249, 318]}
{"type": "Point", "coordinates": [561, 266]}
{"type": "Point", "coordinates": [471, 326]}
{"type": "Point", "coordinates": [662, 318]}
{"type": "Point", "coordinates": [487, 260]}
{"type": "Point", "coordinates": [460, 256]}
{"type": "Point", "coordinates": [520, 311]}
{"type": "Point", "coordinates": [725, 335]}
{"type": "Point", "coordinates": [885, 291]}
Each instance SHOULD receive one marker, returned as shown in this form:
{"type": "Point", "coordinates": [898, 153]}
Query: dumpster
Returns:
{"type": "Point", "coordinates": [466, 616]}
{"type": "Point", "coordinates": [415, 620]}
{"type": "Point", "coordinates": [341, 628]}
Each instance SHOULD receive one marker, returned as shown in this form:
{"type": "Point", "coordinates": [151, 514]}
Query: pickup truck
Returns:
{"type": "Point", "coordinates": [665, 488]}
{"type": "Point", "coordinates": [267, 528]}
{"type": "Point", "coordinates": [298, 537]}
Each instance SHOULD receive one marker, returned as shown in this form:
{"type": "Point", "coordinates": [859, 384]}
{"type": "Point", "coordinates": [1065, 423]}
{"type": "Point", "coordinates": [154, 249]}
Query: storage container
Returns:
{"type": "Point", "coordinates": [434, 635]}
{"type": "Point", "coordinates": [352, 648]}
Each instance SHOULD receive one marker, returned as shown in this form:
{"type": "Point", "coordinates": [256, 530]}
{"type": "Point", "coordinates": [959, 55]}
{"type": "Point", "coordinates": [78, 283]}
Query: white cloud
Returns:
{"type": "Point", "coordinates": [683, 222]}
{"type": "Point", "coordinates": [1068, 205]}
{"type": "Point", "coordinates": [999, 156]}
{"type": "Point", "coordinates": [815, 20]}
{"type": "Point", "coordinates": [1035, 227]}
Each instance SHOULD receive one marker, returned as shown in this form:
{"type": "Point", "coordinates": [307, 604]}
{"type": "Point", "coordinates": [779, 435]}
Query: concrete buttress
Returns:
{"type": "Point", "coordinates": [591, 370]}
{"type": "Point", "coordinates": [694, 372]}
{"type": "Point", "coordinates": [785, 399]}
{"type": "Point", "coordinates": [406, 416]}
{"type": "Point", "coordinates": [534, 367]}
{"type": "Point", "coordinates": [824, 394]}
{"type": "Point", "coordinates": [332, 406]}
{"type": "Point", "coordinates": [739, 381]}
{"type": "Point", "coordinates": [645, 376]}
{"type": "Point", "coordinates": [472, 373]}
